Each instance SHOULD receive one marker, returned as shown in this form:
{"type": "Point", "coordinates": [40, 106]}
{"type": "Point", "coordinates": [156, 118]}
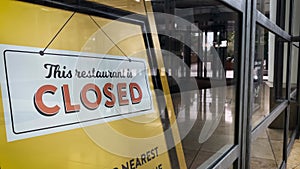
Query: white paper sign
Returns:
{"type": "Point", "coordinates": [63, 90]}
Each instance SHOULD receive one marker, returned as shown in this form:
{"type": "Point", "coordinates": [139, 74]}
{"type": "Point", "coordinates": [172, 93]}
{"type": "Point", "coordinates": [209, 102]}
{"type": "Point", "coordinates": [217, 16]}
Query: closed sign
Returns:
{"type": "Point", "coordinates": [63, 90]}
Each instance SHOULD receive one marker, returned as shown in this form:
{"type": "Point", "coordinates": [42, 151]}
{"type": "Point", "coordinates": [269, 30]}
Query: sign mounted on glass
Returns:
{"type": "Point", "coordinates": [63, 90]}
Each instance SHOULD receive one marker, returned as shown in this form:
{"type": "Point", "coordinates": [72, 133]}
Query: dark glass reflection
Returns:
{"type": "Point", "coordinates": [269, 76]}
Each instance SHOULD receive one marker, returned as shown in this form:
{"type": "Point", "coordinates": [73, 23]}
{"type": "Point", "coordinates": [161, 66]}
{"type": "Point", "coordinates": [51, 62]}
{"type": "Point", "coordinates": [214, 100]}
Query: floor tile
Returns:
{"type": "Point", "coordinates": [294, 157]}
{"type": "Point", "coordinates": [261, 148]}
{"type": "Point", "coordinates": [257, 163]}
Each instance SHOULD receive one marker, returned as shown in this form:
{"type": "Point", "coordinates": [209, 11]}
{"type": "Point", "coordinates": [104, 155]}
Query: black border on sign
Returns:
{"type": "Point", "coordinates": [68, 55]}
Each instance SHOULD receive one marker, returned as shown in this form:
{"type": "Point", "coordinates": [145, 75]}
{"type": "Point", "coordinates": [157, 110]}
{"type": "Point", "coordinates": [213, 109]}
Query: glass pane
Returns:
{"type": "Point", "coordinates": [268, 8]}
{"type": "Point", "coordinates": [287, 14]}
{"type": "Point", "coordinates": [295, 19]}
{"type": "Point", "coordinates": [294, 68]}
{"type": "Point", "coordinates": [267, 149]}
{"type": "Point", "coordinates": [293, 121]}
{"type": "Point", "coordinates": [269, 75]}
{"type": "Point", "coordinates": [294, 75]}
{"type": "Point", "coordinates": [294, 116]}
{"type": "Point", "coordinates": [200, 47]}
{"type": "Point", "coordinates": [94, 54]}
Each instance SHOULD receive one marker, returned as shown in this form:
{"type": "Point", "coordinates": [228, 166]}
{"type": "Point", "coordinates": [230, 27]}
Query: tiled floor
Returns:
{"type": "Point", "coordinates": [267, 149]}
{"type": "Point", "coordinates": [294, 158]}
{"type": "Point", "coordinates": [209, 129]}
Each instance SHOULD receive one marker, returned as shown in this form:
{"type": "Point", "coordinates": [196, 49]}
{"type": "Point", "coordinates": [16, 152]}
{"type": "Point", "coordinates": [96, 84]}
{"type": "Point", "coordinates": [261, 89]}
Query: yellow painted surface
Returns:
{"type": "Point", "coordinates": [136, 6]}
{"type": "Point", "coordinates": [31, 25]}
{"type": "Point", "coordinates": [167, 94]}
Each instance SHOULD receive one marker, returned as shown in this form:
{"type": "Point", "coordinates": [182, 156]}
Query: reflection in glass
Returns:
{"type": "Point", "coordinates": [202, 145]}
{"type": "Point", "coordinates": [267, 149]}
{"type": "Point", "coordinates": [294, 68]}
{"type": "Point", "coordinates": [294, 71]}
{"type": "Point", "coordinates": [268, 8]}
{"type": "Point", "coordinates": [294, 115]}
{"type": "Point", "coordinates": [264, 6]}
{"type": "Point", "coordinates": [267, 94]}
{"type": "Point", "coordinates": [205, 53]}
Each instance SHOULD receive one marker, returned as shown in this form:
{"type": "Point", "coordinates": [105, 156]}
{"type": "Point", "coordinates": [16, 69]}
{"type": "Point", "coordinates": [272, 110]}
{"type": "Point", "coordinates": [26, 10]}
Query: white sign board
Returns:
{"type": "Point", "coordinates": [63, 90]}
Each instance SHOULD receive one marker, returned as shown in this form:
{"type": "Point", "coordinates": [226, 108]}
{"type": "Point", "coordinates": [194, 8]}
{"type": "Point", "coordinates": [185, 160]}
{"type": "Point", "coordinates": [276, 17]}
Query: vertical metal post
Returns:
{"type": "Point", "coordinates": [288, 87]}
{"type": "Point", "coordinates": [213, 63]}
{"type": "Point", "coordinates": [247, 82]}
{"type": "Point", "coordinates": [279, 50]}
{"type": "Point", "coordinates": [187, 51]}
{"type": "Point", "coordinates": [205, 54]}
{"type": "Point", "coordinates": [200, 51]}
{"type": "Point", "coordinates": [298, 90]}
